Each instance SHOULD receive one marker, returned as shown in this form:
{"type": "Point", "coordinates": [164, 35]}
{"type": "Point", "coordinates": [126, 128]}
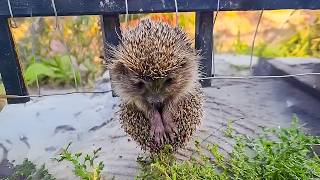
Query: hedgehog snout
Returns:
{"type": "Point", "coordinates": [154, 99]}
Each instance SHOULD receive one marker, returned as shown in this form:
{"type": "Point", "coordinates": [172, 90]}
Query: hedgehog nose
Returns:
{"type": "Point", "coordinates": [154, 100]}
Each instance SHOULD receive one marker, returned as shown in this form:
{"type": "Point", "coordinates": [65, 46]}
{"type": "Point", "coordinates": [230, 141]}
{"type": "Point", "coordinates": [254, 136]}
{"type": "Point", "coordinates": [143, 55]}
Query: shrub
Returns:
{"type": "Point", "coordinates": [28, 171]}
{"type": "Point", "coordinates": [285, 153]}
{"type": "Point", "coordinates": [85, 169]}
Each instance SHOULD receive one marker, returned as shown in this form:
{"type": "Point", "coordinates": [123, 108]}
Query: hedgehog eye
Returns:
{"type": "Point", "coordinates": [168, 81]}
{"type": "Point", "coordinates": [184, 64]}
{"type": "Point", "coordinates": [139, 85]}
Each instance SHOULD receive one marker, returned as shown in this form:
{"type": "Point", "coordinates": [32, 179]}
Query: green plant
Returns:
{"type": "Point", "coordinates": [228, 131]}
{"type": "Point", "coordinates": [57, 70]}
{"type": "Point", "coordinates": [276, 154]}
{"type": "Point", "coordinates": [239, 46]}
{"type": "Point", "coordinates": [79, 36]}
{"type": "Point", "coordinates": [165, 166]}
{"type": "Point", "coordinates": [2, 89]}
{"type": "Point", "coordinates": [2, 92]}
{"type": "Point", "coordinates": [261, 50]}
{"type": "Point", "coordinates": [85, 169]}
{"type": "Point", "coordinates": [28, 171]}
{"type": "Point", "coordinates": [303, 43]}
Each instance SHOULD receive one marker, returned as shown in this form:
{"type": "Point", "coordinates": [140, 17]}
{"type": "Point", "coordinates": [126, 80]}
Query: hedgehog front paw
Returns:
{"type": "Point", "coordinates": [157, 130]}
{"type": "Point", "coordinates": [169, 126]}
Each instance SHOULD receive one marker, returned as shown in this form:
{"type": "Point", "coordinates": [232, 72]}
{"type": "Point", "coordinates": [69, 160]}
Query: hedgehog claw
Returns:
{"type": "Point", "coordinates": [160, 139]}
{"type": "Point", "coordinates": [170, 127]}
{"type": "Point", "coordinates": [157, 130]}
{"type": "Point", "coordinates": [170, 132]}
{"type": "Point", "coordinates": [171, 136]}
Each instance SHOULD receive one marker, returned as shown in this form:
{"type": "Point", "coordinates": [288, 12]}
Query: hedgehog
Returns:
{"type": "Point", "coordinates": [154, 71]}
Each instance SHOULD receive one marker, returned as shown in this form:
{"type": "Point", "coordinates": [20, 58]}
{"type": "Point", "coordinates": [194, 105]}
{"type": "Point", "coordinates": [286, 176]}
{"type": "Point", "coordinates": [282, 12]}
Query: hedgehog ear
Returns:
{"type": "Point", "coordinates": [121, 68]}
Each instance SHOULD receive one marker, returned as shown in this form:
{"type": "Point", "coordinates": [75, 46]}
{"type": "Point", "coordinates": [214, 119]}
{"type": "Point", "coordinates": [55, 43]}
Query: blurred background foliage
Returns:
{"type": "Point", "coordinates": [2, 101]}
{"type": "Point", "coordinates": [47, 52]}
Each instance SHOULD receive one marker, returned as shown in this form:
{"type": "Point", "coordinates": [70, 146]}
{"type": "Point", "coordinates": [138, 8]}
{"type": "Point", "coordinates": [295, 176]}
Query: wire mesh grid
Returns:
{"type": "Point", "coordinates": [248, 77]}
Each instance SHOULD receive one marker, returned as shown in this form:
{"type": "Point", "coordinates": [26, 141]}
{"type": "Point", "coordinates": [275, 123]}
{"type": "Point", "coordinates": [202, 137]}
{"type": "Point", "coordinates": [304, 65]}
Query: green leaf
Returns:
{"type": "Point", "coordinates": [78, 154]}
{"type": "Point", "coordinates": [37, 70]}
{"type": "Point", "coordinates": [64, 62]}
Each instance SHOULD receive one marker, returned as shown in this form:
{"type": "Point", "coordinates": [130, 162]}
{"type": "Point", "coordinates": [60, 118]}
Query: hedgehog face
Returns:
{"type": "Point", "coordinates": [154, 90]}
{"type": "Point", "coordinates": [154, 62]}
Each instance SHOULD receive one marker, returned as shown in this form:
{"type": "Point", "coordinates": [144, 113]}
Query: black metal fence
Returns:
{"type": "Point", "coordinates": [109, 10]}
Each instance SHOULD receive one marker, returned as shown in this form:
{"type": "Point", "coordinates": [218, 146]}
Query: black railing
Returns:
{"type": "Point", "coordinates": [109, 10]}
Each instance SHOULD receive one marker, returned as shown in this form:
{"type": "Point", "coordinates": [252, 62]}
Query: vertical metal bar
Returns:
{"type": "Point", "coordinates": [111, 34]}
{"type": "Point", "coordinates": [204, 42]}
{"type": "Point", "coordinates": [9, 65]}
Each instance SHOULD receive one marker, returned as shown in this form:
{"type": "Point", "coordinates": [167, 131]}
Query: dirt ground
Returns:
{"type": "Point", "coordinates": [38, 129]}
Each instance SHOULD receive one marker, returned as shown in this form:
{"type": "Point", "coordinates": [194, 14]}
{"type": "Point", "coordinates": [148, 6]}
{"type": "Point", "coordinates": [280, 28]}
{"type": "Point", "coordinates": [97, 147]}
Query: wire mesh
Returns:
{"type": "Point", "coordinates": [249, 77]}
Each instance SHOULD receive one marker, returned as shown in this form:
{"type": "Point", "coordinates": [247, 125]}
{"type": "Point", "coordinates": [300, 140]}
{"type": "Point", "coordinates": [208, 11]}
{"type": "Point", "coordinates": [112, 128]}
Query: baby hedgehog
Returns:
{"type": "Point", "coordinates": [154, 71]}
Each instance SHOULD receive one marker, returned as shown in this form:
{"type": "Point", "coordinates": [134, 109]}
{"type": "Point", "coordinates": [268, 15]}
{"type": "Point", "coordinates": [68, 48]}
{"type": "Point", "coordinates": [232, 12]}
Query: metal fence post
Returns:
{"type": "Point", "coordinates": [10, 68]}
{"type": "Point", "coordinates": [110, 31]}
{"type": "Point", "coordinates": [204, 42]}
